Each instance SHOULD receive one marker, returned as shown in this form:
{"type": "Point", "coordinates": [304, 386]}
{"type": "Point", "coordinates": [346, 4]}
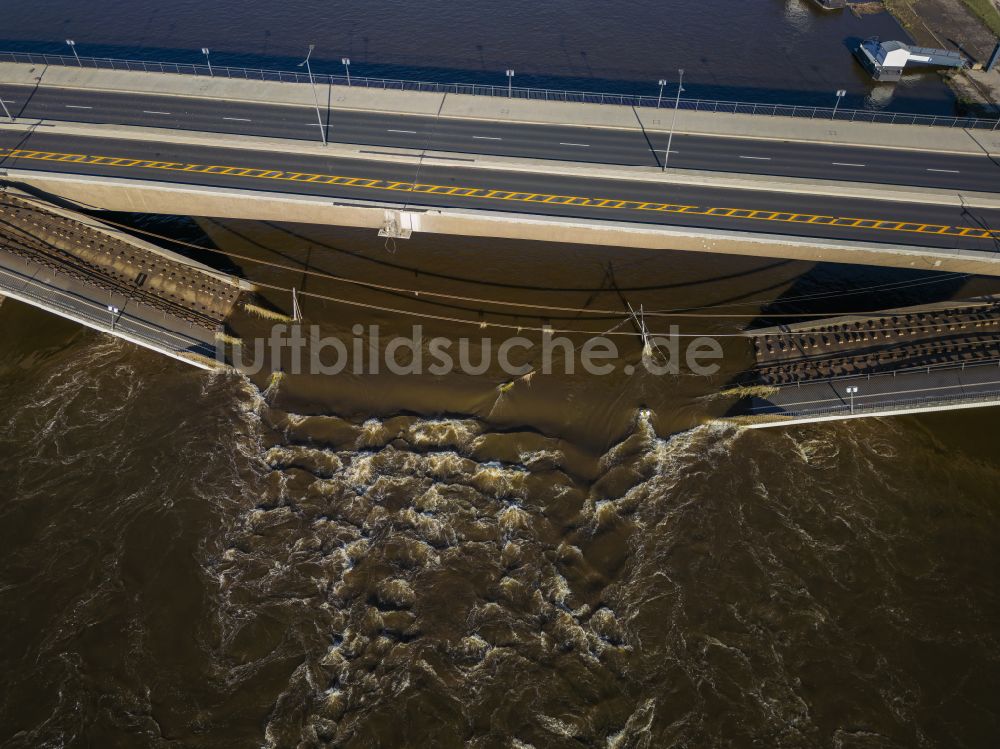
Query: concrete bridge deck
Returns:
{"type": "Point", "coordinates": [580, 195]}
{"type": "Point", "coordinates": [738, 143]}
{"type": "Point", "coordinates": [539, 203]}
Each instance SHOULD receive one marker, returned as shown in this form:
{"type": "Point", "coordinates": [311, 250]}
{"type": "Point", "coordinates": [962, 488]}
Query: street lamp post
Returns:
{"type": "Point", "coordinates": [673, 122]}
{"type": "Point", "coordinates": [6, 111]}
{"type": "Point", "coordinates": [114, 315]}
{"type": "Point", "coordinates": [72, 46]}
{"type": "Point", "coordinates": [663, 82]}
{"type": "Point", "coordinates": [208, 59]}
{"type": "Point", "coordinates": [510, 84]}
{"type": "Point", "coordinates": [347, 66]}
{"type": "Point", "coordinates": [840, 95]}
{"type": "Point", "coordinates": [851, 392]}
{"type": "Point", "coordinates": [319, 118]}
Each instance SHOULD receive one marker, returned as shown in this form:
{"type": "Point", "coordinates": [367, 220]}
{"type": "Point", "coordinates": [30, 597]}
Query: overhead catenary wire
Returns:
{"type": "Point", "coordinates": [541, 329]}
{"type": "Point", "coordinates": [416, 293]}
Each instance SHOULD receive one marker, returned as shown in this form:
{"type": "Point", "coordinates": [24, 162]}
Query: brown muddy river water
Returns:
{"type": "Point", "coordinates": [363, 561]}
{"type": "Point", "coordinates": [458, 560]}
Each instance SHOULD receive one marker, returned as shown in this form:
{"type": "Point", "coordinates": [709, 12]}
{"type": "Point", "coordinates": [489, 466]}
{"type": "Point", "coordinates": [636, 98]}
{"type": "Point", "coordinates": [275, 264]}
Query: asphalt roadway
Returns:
{"type": "Point", "coordinates": [485, 137]}
{"type": "Point", "coordinates": [446, 184]}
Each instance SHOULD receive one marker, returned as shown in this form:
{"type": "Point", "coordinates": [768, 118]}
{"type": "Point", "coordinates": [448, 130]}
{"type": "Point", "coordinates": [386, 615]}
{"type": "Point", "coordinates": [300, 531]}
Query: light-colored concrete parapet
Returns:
{"type": "Point", "coordinates": [165, 198]}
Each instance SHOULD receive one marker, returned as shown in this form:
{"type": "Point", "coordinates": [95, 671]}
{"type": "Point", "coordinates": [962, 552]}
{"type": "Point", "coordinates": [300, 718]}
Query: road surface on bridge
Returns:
{"type": "Point", "coordinates": [595, 145]}
{"type": "Point", "coordinates": [452, 184]}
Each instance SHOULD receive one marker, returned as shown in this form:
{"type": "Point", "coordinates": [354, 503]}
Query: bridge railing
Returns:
{"type": "Point", "coordinates": [882, 401]}
{"type": "Point", "coordinates": [877, 406]}
{"type": "Point", "coordinates": [517, 92]}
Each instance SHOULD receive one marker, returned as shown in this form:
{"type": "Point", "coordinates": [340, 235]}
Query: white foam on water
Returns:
{"type": "Point", "coordinates": [540, 460]}
{"type": "Point", "coordinates": [559, 726]}
{"type": "Point", "coordinates": [496, 480]}
{"type": "Point", "coordinates": [321, 463]}
{"type": "Point", "coordinates": [435, 532]}
{"type": "Point", "coordinates": [636, 732]}
{"type": "Point", "coordinates": [514, 519]}
{"type": "Point", "coordinates": [372, 434]}
{"type": "Point", "coordinates": [447, 466]}
{"type": "Point", "coordinates": [440, 433]}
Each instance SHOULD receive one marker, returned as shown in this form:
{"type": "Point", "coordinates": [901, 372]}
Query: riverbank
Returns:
{"type": "Point", "coordinates": [962, 26]}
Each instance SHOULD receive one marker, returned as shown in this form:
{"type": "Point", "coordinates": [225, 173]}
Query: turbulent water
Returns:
{"type": "Point", "coordinates": [191, 560]}
{"type": "Point", "coordinates": [215, 561]}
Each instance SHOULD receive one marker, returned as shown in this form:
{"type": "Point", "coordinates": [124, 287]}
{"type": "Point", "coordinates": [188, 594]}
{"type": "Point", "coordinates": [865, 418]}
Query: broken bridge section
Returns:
{"type": "Point", "coordinates": [70, 264]}
{"type": "Point", "coordinates": [944, 356]}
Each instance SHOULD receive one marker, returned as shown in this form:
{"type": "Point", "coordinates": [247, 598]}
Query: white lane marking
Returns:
{"type": "Point", "coordinates": [316, 124]}
{"type": "Point", "coordinates": [408, 132]}
{"type": "Point", "coordinates": [149, 111]}
{"type": "Point", "coordinates": [576, 145]}
{"type": "Point", "coordinates": [237, 119]}
{"type": "Point", "coordinates": [75, 106]}
{"type": "Point", "coordinates": [7, 101]}
{"type": "Point", "coordinates": [757, 158]}
{"type": "Point", "coordinates": [946, 171]}
{"type": "Point", "coordinates": [485, 137]}
{"type": "Point", "coordinates": [841, 163]}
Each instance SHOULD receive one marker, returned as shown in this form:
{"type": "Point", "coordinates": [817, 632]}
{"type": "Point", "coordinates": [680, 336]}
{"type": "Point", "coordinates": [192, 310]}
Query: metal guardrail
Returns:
{"type": "Point", "coordinates": [539, 94]}
{"type": "Point", "coordinates": [866, 404]}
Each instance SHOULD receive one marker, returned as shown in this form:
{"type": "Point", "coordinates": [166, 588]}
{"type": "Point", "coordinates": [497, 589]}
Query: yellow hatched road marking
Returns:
{"type": "Point", "coordinates": [479, 193]}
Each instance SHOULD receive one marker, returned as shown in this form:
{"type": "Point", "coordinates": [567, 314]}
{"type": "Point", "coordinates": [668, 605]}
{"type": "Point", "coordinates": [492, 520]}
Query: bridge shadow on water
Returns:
{"type": "Point", "coordinates": [831, 289]}
{"type": "Point", "coordinates": [311, 249]}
